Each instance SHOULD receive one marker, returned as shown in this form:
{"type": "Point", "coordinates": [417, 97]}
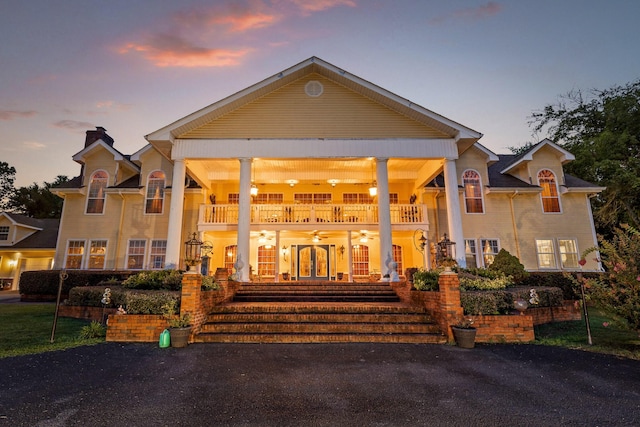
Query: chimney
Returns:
{"type": "Point", "coordinates": [94, 135]}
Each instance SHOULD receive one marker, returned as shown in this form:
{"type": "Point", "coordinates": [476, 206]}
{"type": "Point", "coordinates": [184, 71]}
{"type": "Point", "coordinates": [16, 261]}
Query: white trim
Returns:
{"type": "Point", "coordinates": [88, 195]}
{"type": "Point", "coordinates": [146, 192]}
{"type": "Point", "coordinates": [464, 192]}
{"type": "Point", "coordinates": [481, 249]}
{"type": "Point", "coordinates": [565, 156]}
{"type": "Point", "coordinates": [148, 261]}
{"type": "Point", "coordinates": [127, 254]}
{"type": "Point", "coordinates": [555, 179]}
{"type": "Point", "coordinates": [106, 253]}
{"type": "Point", "coordinates": [82, 257]}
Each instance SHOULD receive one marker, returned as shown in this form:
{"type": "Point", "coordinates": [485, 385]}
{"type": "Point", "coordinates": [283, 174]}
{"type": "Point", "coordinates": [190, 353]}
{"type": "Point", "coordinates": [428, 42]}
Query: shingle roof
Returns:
{"type": "Point", "coordinates": [46, 238]}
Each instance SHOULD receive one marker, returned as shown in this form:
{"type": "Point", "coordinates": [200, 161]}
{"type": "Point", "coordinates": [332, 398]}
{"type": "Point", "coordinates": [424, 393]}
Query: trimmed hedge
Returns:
{"type": "Point", "coordinates": [46, 282]}
{"type": "Point", "coordinates": [133, 301]}
{"type": "Point", "coordinates": [501, 302]}
{"type": "Point", "coordinates": [557, 280]}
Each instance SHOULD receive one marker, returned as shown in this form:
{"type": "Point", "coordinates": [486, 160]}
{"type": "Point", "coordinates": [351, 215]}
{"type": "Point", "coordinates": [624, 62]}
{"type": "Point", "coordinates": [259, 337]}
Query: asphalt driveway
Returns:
{"type": "Point", "coordinates": [319, 385]}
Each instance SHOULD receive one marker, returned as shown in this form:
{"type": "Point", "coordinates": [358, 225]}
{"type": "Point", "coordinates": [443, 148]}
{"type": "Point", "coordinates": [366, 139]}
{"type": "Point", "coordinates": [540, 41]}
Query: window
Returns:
{"type": "Point", "coordinates": [97, 254]}
{"type": "Point", "coordinates": [96, 197]}
{"type": "Point", "coordinates": [360, 255]}
{"type": "Point", "coordinates": [230, 253]}
{"type": "Point", "coordinates": [490, 249]}
{"type": "Point", "coordinates": [4, 232]}
{"type": "Point", "coordinates": [397, 257]}
{"type": "Point", "coordinates": [357, 198]}
{"type": "Point", "coordinates": [472, 192]}
{"type": "Point", "coordinates": [75, 252]}
{"type": "Point", "coordinates": [470, 253]}
{"type": "Point", "coordinates": [269, 199]}
{"type": "Point", "coordinates": [135, 254]}
{"type": "Point", "coordinates": [549, 195]}
{"type": "Point", "coordinates": [158, 254]}
{"type": "Point", "coordinates": [312, 198]}
{"type": "Point", "coordinates": [266, 260]}
{"type": "Point", "coordinates": [233, 198]}
{"type": "Point", "coordinates": [546, 254]}
{"type": "Point", "coordinates": [568, 253]}
{"type": "Point", "coordinates": [155, 193]}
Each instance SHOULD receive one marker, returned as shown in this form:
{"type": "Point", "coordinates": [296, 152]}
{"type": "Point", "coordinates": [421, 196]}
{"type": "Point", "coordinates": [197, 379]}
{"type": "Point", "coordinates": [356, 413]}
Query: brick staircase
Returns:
{"type": "Point", "coordinates": [305, 312]}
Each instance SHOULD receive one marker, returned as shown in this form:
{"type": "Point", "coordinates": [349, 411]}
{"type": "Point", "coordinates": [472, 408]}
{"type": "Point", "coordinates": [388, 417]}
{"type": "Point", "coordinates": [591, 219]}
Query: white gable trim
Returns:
{"type": "Point", "coordinates": [565, 156]}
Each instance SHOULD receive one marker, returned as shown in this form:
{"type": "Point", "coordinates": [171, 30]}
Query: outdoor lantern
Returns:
{"type": "Point", "coordinates": [446, 247]}
{"type": "Point", "coordinates": [192, 251]}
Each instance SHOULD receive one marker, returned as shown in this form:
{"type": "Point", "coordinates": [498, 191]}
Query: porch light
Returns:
{"type": "Point", "coordinates": [292, 182]}
{"type": "Point", "coordinates": [254, 190]}
{"type": "Point", "coordinates": [333, 182]}
{"type": "Point", "coordinates": [192, 252]}
{"type": "Point", "coordinates": [284, 253]}
{"type": "Point", "coordinates": [316, 238]}
{"type": "Point", "coordinates": [363, 238]}
{"type": "Point", "coordinates": [373, 190]}
{"type": "Point", "coordinates": [262, 238]}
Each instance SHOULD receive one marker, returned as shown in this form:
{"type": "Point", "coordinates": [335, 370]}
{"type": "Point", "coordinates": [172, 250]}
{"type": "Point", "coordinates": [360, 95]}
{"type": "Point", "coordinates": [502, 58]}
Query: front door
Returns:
{"type": "Point", "coordinates": [313, 262]}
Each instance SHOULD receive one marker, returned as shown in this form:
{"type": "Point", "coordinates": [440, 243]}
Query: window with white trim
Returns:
{"type": "Point", "coordinates": [135, 254]}
{"type": "Point", "coordinates": [233, 198]}
{"type": "Point", "coordinates": [546, 253]}
{"type": "Point", "coordinates": [472, 192]}
{"type": "Point", "coordinates": [266, 261]}
{"type": "Point", "coordinates": [360, 258]}
{"type": "Point", "coordinates": [470, 253]}
{"type": "Point", "coordinates": [4, 232]}
{"type": "Point", "coordinates": [357, 198]}
{"type": "Point", "coordinates": [312, 198]}
{"type": "Point", "coordinates": [269, 199]}
{"type": "Point", "coordinates": [569, 256]}
{"type": "Point", "coordinates": [157, 254]}
{"type": "Point", "coordinates": [96, 197]}
{"type": "Point", "coordinates": [75, 253]}
{"type": "Point", "coordinates": [397, 257]}
{"type": "Point", "coordinates": [549, 195]}
{"type": "Point", "coordinates": [230, 253]}
{"type": "Point", "coordinates": [155, 193]}
{"type": "Point", "coordinates": [97, 254]}
{"type": "Point", "coordinates": [490, 248]}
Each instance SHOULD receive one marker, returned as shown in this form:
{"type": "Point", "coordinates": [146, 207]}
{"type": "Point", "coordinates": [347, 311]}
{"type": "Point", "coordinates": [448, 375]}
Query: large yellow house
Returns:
{"type": "Point", "coordinates": [315, 173]}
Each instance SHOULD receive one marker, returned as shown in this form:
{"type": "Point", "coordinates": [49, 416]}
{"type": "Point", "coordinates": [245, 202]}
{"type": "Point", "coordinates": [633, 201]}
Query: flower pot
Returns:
{"type": "Point", "coordinates": [180, 336]}
{"type": "Point", "coordinates": [465, 337]}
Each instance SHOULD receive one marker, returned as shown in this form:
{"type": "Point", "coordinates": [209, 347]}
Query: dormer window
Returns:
{"type": "Point", "coordinates": [550, 199]}
{"type": "Point", "coordinates": [96, 197]}
{"type": "Point", "coordinates": [155, 193]}
{"type": "Point", "coordinates": [472, 192]}
{"type": "Point", "coordinates": [4, 233]}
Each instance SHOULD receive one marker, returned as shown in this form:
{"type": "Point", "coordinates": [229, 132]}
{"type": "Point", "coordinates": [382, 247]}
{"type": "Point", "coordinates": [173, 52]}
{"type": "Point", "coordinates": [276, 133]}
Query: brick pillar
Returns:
{"type": "Point", "coordinates": [450, 306]}
{"type": "Point", "coordinates": [190, 301]}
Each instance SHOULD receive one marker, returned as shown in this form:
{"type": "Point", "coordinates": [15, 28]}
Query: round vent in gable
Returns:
{"type": "Point", "coordinates": [313, 88]}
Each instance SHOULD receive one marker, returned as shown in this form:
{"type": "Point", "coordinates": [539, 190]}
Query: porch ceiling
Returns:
{"type": "Point", "coordinates": [316, 171]}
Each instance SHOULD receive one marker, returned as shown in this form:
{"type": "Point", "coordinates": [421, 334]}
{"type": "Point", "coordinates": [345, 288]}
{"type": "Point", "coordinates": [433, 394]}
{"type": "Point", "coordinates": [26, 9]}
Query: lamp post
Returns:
{"type": "Point", "coordinates": [420, 241]}
{"type": "Point", "coordinates": [446, 249]}
{"type": "Point", "coordinates": [192, 253]}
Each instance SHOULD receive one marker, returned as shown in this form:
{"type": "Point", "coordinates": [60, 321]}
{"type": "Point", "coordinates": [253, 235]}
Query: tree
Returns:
{"type": "Point", "coordinates": [7, 177]}
{"type": "Point", "coordinates": [36, 201]}
{"type": "Point", "coordinates": [603, 131]}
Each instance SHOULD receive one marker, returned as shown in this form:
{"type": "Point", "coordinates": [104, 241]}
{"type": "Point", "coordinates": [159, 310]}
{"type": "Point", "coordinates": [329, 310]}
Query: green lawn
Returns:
{"type": "Point", "coordinates": [610, 339]}
{"type": "Point", "coordinates": [26, 329]}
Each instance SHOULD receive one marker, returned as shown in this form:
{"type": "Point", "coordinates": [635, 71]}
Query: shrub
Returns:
{"type": "Point", "coordinates": [482, 272]}
{"type": "Point", "coordinates": [508, 265]}
{"type": "Point", "coordinates": [150, 302]}
{"type": "Point", "coordinates": [475, 303]}
{"type": "Point", "coordinates": [547, 296]}
{"type": "Point", "coordinates": [155, 280]}
{"type": "Point", "coordinates": [93, 330]}
{"type": "Point", "coordinates": [46, 282]}
{"type": "Point", "coordinates": [209, 284]}
{"type": "Point", "coordinates": [91, 296]}
{"type": "Point", "coordinates": [468, 283]}
{"type": "Point", "coordinates": [424, 280]}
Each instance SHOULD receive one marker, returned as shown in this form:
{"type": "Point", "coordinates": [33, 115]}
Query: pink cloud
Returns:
{"type": "Point", "coordinates": [470, 14]}
{"type": "Point", "coordinates": [312, 6]}
{"type": "Point", "coordinates": [249, 21]}
{"type": "Point", "coordinates": [12, 115]}
{"type": "Point", "coordinates": [73, 125]}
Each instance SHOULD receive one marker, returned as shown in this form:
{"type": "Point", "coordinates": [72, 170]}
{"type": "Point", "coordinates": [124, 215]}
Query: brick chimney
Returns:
{"type": "Point", "coordinates": [94, 135]}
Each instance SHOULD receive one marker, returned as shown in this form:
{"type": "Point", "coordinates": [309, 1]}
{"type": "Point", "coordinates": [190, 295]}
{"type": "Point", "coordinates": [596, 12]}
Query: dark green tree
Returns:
{"type": "Point", "coordinates": [602, 129]}
{"type": "Point", "coordinates": [36, 201]}
{"type": "Point", "coordinates": [7, 178]}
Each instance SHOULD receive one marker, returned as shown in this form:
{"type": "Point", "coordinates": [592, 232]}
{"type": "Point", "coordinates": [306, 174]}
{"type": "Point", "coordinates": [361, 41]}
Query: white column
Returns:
{"type": "Point", "coordinates": [244, 221]}
{"type": "Point", "coordinates": [454, 217]}
{"type": "Point", "coordinates": [174, 231]}
{"type": "Point", "coordinates": [384, 216]}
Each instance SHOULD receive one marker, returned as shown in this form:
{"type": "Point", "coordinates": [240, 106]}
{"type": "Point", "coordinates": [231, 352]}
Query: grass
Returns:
{"type": "Point", "coordinates": [611, 339]}
{"type": "Point", "coordinates": [26, 329]}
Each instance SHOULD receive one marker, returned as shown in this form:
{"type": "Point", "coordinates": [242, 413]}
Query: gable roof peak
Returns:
{"type": "Point", "coordinates": [564, 155]}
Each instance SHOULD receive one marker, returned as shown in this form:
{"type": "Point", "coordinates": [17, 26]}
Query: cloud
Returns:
{"type": "Point", "coordinates": [308, 7]}
{"type": "Point", "coordinates": [32, 145]}
{"type": "Point", "coordinates": [12, 115]}
{"type": "Point", "coordinates": [73, 125]}
{"type": "Point", "coordinates": [219, 36]}
{"type": "Point", "coordinates": [112, 105]}
{"type": "Point", "coordinates": [469, 14]}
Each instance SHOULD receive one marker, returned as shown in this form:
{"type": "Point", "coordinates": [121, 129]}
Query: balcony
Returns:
{"type": "Point", "coordinates": [219, 217]}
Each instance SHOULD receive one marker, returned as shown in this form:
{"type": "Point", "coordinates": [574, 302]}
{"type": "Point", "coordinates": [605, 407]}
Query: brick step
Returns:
{"type": "Point", "coordinates": [286, 338]}
{"type": "Point", "coordinates": [329, 317]}
{"type": "Point", "coordinates": [311, 308]}
{"type": "Point", "coordinates": [315, 297]}
{"type": "Point", "coordinates": [306, 287]}
{"type": "Point", "coordinates": [319, 328]}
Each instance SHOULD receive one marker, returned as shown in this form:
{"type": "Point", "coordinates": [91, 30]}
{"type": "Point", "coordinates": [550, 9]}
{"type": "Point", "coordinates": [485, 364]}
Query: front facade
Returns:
{"type": "Point", "coordinates": [314, 173]}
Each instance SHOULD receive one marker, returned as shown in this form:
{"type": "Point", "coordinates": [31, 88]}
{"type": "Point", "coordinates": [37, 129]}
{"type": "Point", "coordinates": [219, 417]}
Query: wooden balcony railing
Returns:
{"type": "Point", "coordinates": [312, 214]}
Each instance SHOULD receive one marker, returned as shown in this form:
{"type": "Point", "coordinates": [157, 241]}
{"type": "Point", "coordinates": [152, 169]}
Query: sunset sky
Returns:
{"type": "Point", "coordinates": [134, 66]}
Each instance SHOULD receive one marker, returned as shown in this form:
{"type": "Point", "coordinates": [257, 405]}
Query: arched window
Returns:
{"type": "Point", "coordinates": [472, 191]}
{"type": "Point", "coordinates": [96, 197]}
{"type": "Point", "coordinates": [155, 193]}
{"type": "Point", "coordinates": [230, 254]}
{"type": "Point", "coordinates": [397, 257]}
{"type": "Point", "coordinates": [549, 195]}
{"type": "Point", "coordinates": [360, 257]}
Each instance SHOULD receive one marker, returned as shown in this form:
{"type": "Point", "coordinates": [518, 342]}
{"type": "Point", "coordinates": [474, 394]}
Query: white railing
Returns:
{"type": "Point", "coordinates": [312, 214]}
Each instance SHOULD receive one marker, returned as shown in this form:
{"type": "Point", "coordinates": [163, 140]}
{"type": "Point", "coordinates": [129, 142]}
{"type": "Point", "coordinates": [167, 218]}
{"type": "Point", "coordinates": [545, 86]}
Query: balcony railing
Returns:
{"type": "Point", "coordinates": [312, 214]}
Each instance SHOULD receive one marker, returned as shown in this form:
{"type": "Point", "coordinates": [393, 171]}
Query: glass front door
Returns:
{"type": "Point", "coordinates": [313, 262]}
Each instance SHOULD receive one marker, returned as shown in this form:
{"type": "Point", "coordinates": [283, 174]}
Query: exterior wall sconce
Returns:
{"type": "Point", "coordinates": [341, 249]}
{"type": "Point", "coordinates": [284, 253]}
{"type": "Point", "coordinates": [192, 252]}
